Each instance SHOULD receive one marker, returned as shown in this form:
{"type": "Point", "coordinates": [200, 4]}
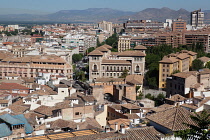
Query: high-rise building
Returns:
{"type": "Point", "coordinates": [197, 18]}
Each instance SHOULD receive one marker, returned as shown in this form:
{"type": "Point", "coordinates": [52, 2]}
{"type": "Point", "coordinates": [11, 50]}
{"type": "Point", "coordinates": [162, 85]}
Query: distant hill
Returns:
{"type": "Point", "coordinates": [159, 14]}
{"type": "Point", "coordinates": [98, 14]}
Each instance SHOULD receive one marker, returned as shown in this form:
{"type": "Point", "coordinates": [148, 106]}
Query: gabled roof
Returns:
{"type": "Point", "coordinates": [204, 59]}
{"type": "Point", "coordinates": [134, 79]}
{"type": "Point", "coordinates": [144, 133]}
{"type": "Point", "coordinates": [4, 131]}
{"type": "Point", "coordinates": [45, 110]}
{"type": "Point", "coordinates": [102, 49]}
{"type": "Point", "coordinates": [62, 124]}
{"type": "Point", "coordinates": [185, 74]}
{"type": "Point", "coordinates": [10, 119]}
{"type": "Point", "coordinates": [172, 118]}
{"type": "Point", "coordinates": [176, 98]}
{"type": "Point", "coordinates": [169, 60]}
{"type": "Point", "coordinates": [140, 47]}
{"type": "Point", "coordinates": [106, 46]}
{"type": "Point", "coordinates": [96, 52]}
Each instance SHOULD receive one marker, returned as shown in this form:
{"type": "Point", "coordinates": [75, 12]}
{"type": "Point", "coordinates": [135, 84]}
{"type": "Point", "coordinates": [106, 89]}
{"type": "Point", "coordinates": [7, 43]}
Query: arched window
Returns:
{"type": "Point", "coordinates": [137, 68]}
{"type": "Point", "coordinates": [95, 67]}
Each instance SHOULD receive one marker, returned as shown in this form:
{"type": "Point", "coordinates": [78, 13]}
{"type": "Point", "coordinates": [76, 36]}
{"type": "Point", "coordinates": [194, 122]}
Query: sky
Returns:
{"type": "Point", "coordinates": [125, 5]}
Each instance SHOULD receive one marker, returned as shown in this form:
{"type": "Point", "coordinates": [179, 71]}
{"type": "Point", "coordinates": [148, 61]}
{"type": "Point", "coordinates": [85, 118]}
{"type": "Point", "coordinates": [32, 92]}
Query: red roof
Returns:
{"type": "Point", "coordinates": [12, 86]}
{"type": "Point", "coordinates": [7, 43]}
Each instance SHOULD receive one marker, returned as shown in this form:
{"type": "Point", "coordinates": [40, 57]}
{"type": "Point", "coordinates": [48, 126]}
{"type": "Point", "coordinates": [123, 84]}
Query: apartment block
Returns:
{"type": "Point", "coordinates": [179, 25]}
{"type": "Point", "coordinates": [197, 19]}
{"type": "Point", "coordinates": [180, 61]}
{"type": "Point", "coordinates": [29, 66]}
{"type": "Point", "coordinates": [104, 63]}
{"type": "Point", "coordinates": [124, 43]}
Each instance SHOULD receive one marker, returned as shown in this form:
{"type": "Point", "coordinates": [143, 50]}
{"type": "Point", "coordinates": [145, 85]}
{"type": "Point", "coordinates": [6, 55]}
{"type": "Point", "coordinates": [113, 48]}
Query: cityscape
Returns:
{"type": "Point", "coordinates": [105, 73]}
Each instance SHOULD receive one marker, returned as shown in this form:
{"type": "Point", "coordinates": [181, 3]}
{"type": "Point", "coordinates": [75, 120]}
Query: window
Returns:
{"type": "Point", "coordinates": [163, 70]}
{"type": "Point", "coordinates": [95, 67]}
{"type": "Point", "coordinates": [137, 68]}
{"type": "Point", "coordinates": [76, 113]}
{"type": "Point", "coordinates": [163, 65]}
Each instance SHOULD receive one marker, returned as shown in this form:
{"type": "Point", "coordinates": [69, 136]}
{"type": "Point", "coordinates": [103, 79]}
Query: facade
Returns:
{"type": "Point", "coordinates": [181, 83]}
{"type": "Point", "coordinates": [175, 62]}
{"type": "Point", "coordinates": [104, 63]}
{"type": "Point", "coordinates": [106, 26]}
{"type": "Point", "coordinates": [143, 26]}
{"type": "Point", "coordinates": [124, 43]}
{"type": "Point", "coordinates": [31, 65]}
{"type": "Point", "coordinates": [179, 25]}
{"type": "Point", "coordinates": [197, 18]}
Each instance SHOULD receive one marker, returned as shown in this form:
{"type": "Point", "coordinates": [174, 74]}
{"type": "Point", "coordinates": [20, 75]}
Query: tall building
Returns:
{"type": "Point", "coordinates": [197, 18]}
{"type": "Point", "coordinates": [106, 26]}
{"type": "Point", "coordinates": [179, 25]}
{"type": "Point", "coordinates": [180, 61]}
{"type": "Point", "coordinates": [124, 43]}
{"type": "Point", "coordinates": [104, 63]}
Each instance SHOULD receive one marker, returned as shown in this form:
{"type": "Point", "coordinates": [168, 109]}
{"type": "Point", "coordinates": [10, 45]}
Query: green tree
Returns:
{"type": "Point", "coordinates": [90, 49]}
{"type": "Point", "coordinates": [77, 57]}
{"type": "Point", "coordinates": [124, 74]}
{"type": "Point", "coordinates": [149, 96]}
{"type": "Point", "coordinates": [198, 130]}
{"type": "Point", "coordinates": [197, 64]}
{"type": "Point", "coordinates": [207, 65]}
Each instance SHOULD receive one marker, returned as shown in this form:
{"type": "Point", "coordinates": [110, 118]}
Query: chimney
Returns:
{"type": "Point", "coordinates": [77, 126]}
{"type": "Point", "coordinates": [116, 126]}
{"type": "Point", "coordinates": [122, 128]}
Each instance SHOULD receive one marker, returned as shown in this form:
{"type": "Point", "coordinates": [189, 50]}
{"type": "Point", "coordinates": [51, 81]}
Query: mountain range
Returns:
{"type": "Point", "coordinates": [94, 15]}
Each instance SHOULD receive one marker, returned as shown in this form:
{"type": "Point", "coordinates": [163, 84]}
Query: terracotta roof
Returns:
{"type": "Point", "coordinates": [182, 56]}
{"type": "Point", "coordinates": [144, 133]}
{"type": "Point", "coordinates": [172, 118]}
{"type": "Point", "coordinates": [106, 46]}
{"type": "Point", "coordinates": [204, 59]}
{"type": "Point", "coordinates": [169, 60]}
{"type": "Point", "coordinates": [130, 106]}
{"type": "Point", "coordinates": [102, 49]}
{"type": "Point", "coordinates": [18, 109]}
{"type": "Point", "coordinates": [204, 71]}
{"type": "Point", "coordinates": [88, 98]}
{"type": "Point", "coordinates": [119, 121]}
{"type": "Point", "coordinates": [140, 47]}
{"type": "Point", "coordinates": [185, 74]}
{"type": "Point", "coordinates": [114, 53]}
{"type": "Point", "coordinates": [176, 98]}
{"type": "Point", "coordinates": [162, 108]}
{"type": "Point", "coordinates": [131, 53]}
{"type": "Point", "coordinates": [132, 116]}
{"type": "Point", "coordinates": [134, 79]}
{"type": "Point", "coordinates": [191, 106]}
{"type": "Point", "coordinates": [96, 52]}
{"type": "Point", "coordinates": [116, 106]}
{"type": "Point", "coordinates": [62, 124]}
{"type": "Point", "coordinates": [192, 53]}
{"type": "Point", "coordinates": [45, 110]}
{"type": "Point", "coordinates": [12, 86]}
{"type": "Point", "coordinates": [89, 123]}
{"type": "Point", "coordinates": [110, 61]}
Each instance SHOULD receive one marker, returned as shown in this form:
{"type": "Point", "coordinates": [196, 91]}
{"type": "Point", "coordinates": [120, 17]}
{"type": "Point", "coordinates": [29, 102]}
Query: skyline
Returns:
{"type": "Point", "coordinates": [132, 5]}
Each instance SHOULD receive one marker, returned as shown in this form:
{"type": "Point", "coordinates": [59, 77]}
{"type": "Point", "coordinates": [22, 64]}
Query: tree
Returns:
{"type": "Point", "coordinates": [207, 65]}
{"type": "Point", "coordinates": [198, 129]}
{"type": "Point", "coordinates": [124, 74]}
{"type": "Point", "coordinates": [77, 57]}
{"type": "Point", "coordinates": [197, 64]}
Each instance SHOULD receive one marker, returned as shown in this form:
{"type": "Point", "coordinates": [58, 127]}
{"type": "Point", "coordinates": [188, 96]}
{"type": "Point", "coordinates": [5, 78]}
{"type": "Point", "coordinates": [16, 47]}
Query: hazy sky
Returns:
{"type": "Point", "coordinates": [126, 5]}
